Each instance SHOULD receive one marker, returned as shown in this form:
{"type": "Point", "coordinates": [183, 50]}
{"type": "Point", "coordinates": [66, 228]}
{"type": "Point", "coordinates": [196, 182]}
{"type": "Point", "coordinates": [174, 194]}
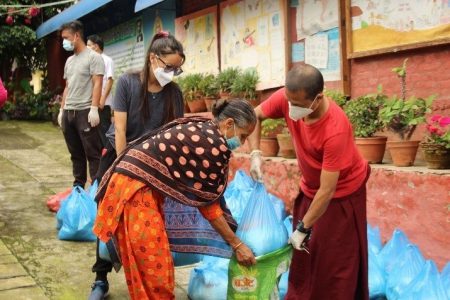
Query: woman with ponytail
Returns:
{"type": "Point", "coordinates": [186, 160]}
{"type": "Point", "coordinates": [143, 101]}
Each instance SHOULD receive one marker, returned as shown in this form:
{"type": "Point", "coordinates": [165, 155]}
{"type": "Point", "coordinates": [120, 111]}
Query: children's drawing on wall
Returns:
{"type": "Point", "coordinates": [316, 15]}
{"type": "Point", "coordinates": [390, 23]}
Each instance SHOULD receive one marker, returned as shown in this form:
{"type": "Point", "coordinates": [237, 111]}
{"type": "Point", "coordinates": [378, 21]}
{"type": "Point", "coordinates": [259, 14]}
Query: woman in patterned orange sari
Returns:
{"type": "Point", "coordinates": [186, 160]}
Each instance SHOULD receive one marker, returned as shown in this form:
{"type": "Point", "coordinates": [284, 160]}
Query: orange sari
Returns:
{"type": "Point", "coordinates": [133, 212]}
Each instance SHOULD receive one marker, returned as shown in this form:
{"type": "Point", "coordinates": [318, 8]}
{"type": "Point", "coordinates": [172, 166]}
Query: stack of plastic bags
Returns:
{"type": "Point", "coordinates": [398, 271]}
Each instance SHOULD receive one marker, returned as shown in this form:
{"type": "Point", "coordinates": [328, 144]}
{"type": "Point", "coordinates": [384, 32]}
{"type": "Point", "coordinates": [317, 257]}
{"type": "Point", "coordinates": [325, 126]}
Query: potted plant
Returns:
{"type": "Point", "coordinates": [191, 92]}
{"type": "Point", "coordinates": [287, 149]}
{"type": "Point", "coordinates": [363, 114]}
{"type": "Point", "coordinates": [225, 80]}
{"type": "Point", "coordinates": [402, 117]}
{"type": "Point", "coordinates": [244, 86]}
{"type": "Point", "coordinates": [436, 144]}
{"type": "Point", "coordinates": [209, 88]}
{"type": "Point", "coordinates": [269, 130]}
{"type": "Point", "coordinates": [337, 97]}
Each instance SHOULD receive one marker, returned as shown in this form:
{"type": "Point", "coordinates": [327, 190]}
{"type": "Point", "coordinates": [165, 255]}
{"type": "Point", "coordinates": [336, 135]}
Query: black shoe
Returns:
{"type": "Point", "coordinates": [100, 290]}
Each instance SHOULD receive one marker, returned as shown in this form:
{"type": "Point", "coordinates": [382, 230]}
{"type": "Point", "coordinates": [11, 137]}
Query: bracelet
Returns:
{"type": "Point", "coordinates": [237, 246]}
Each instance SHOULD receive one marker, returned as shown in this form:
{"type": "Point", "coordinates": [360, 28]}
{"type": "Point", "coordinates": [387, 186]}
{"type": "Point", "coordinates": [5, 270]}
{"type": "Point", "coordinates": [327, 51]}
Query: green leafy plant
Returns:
{"type": "Point", "coordinates": [226, 78]}
{"type": "Point", "coordinates": [271, 127]}
{"type": "Point", "coordinates": [337, 97]}
{"type": "Point", "coordinates": [403, 116]}
{"type": "Point", "coordinates": [189, 85]}
{"type": "Point", "coordinates": [363, 114]}
{"type": "Point", "coordinates": [245, 84]}
{"type": "Point", "coordinates": [401, 73]}
{"type": "Point", "coordinates": [208, 86]}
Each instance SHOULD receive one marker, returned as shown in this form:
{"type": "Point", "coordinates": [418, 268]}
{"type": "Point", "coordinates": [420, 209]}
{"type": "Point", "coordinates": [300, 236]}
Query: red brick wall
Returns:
{"type": "Point", "coordinates": [427, 73]}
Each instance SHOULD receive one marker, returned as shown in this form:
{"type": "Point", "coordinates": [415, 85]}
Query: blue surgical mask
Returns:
{"type": "Point", "coordinates": [68, 45]}
{"type": "Point", "coordinates": [233, 142]}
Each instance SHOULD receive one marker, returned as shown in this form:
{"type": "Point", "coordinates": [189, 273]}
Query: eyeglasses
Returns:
{"type": "Point", "coordinates": [169, 68]}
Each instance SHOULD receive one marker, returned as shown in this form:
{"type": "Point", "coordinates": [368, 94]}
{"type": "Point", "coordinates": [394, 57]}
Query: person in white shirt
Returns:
{"type": "Point", "coordinates": [95, 42]}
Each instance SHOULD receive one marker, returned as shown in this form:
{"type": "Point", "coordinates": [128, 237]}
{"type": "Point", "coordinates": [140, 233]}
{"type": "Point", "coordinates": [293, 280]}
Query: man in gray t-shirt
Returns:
{"type": "Point", "coordinates": [78, 116]}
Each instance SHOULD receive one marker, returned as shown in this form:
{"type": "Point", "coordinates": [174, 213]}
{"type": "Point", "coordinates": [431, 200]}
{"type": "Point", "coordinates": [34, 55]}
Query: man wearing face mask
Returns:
{"type": "Point", "coordinates": [330, 239]}
{"type": "Point", "coordinates": [78, 116]}
{"type": "Point", "coordinates": [95, 43]}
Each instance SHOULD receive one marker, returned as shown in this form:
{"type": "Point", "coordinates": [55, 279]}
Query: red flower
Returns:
{"type": "Point", "coordinates": [33, 11]}
{"type": "Point", "coordinates": [432, 129]}
{"type": "Point", "coordinates": [444, 121]}
{"type": "Point", "coordinates": [9, 20]}
{"type": "Point", "coordinates": [435, 118]}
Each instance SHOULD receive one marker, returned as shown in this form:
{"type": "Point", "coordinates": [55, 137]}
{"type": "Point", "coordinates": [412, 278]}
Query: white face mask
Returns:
{"type": "Point", "coordinates": [162, 76]}
{"type": "Point", "coordinates": [68, 45]}
{"type": "Point", "coordinates": [296, 112]}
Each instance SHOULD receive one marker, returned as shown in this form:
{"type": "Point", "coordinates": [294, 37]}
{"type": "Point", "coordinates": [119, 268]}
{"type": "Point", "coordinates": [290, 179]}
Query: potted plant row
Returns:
{"type": "Point", "coordinates": [436, 144]}
{"type": "Point", "coordinates": [200, 91]}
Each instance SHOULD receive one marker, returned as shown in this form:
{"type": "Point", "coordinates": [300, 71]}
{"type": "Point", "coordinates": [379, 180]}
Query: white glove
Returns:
{"type": "Point", "coordinates": [60, 115]}
{"type": "Point", "coordinates": [255, 165]}
{"type": "Point", "coordinates": [93, 116]}
{"type": "Point", "coordinates": [297, 239]}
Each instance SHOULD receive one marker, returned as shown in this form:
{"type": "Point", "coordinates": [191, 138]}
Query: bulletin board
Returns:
{"type": "Point", "coordinates": [198, 34]}
{"type": "Point", "coordinates": [315, 37]}
{"type": "Point", "coordinates": [378, 26]}
{"type": "Point", "coordinates": [252, 34]}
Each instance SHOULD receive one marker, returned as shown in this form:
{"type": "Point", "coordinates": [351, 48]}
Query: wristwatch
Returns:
{"type": "Point", "coordinates": [301, 227]}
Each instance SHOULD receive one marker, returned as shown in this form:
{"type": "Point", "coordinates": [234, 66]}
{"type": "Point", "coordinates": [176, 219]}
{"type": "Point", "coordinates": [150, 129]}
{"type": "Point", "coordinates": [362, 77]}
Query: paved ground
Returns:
{"type": "Point", "coordinates": [34, 264]}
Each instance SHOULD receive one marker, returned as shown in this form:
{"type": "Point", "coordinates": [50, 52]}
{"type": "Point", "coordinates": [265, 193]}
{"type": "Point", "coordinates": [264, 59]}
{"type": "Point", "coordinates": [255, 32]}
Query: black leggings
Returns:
{"type": "Point", "coordinates": [103, 266]}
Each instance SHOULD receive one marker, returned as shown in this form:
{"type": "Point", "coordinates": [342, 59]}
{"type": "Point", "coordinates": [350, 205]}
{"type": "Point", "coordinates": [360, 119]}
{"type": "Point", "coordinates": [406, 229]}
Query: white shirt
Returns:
{"type": "Point", "coordinates": [109, 73]}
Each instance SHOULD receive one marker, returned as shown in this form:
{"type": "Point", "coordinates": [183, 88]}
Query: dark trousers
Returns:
{"type": "Point", "coordinates": [83, 143]}
{"type": "Point", "coordinates": [337, 265]}
{"type": "Point", "coordinates": [105, 122]}
{"type": "Point", "coordinates": [108, 157]}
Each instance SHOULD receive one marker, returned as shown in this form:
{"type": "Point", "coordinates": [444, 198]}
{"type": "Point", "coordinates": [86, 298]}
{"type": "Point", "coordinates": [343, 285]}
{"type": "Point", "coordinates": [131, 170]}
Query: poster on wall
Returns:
{"type": "Point", "coordinates": [314, 16]}
{"type": "Point", "coordinates": [316, 42]}
{"type": "Point", "coordinates": [127, 43]}
{"type": "Point", "coordinates": [382, 24]}
{"type": "Point", "coordinates": [253, 35]}
{"type": "Point", "coordinates": [198, 34]}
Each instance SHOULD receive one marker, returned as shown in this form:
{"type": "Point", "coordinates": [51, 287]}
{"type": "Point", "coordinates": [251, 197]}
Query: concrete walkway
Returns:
{"type": "Point", "coordinates": [34, 264]}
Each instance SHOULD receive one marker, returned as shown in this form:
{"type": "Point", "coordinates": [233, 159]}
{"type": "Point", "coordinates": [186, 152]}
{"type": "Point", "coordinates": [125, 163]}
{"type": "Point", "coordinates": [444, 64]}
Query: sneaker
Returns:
{"type": "Point", "coordinates": [100, 290]}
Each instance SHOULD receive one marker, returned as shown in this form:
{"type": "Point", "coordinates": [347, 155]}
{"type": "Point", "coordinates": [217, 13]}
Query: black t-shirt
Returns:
{"type": "Point", "coordinates": [127, 98]}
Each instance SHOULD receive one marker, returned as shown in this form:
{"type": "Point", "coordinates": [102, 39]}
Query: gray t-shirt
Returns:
{"type": "Point", "coordinates": [127, 99]}
{"type": "Point", "coordinates": [78, 73]}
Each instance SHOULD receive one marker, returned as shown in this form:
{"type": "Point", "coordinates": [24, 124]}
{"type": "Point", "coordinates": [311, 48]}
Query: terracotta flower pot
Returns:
{"type": "Point", "coordinates": [196, 105]}
{"type": "Point", "coordinates": [436, 156]}
{"type": "Point", "coordinates": [372, 148]}
{"type": "Point", "coordinates": [269, 146]}
{"type": "Point", "coordinates": [403, 153]}
{"type": "Point", "coordinates": [287, 149]}
{"type": "Point", "coordinates": [209, 102]}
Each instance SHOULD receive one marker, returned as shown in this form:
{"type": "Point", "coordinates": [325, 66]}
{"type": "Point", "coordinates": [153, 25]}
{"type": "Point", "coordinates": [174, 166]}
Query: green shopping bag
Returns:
{"type": "Point", "coordinates": [258, 282]}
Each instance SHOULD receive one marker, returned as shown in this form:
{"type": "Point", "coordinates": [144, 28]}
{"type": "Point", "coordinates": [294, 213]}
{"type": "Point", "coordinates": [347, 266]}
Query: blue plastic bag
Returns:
{"type": "Point", "coordinates": [283, 285]}
{"type": "Point", "coordinates": [392, 250]}
{"type": "Point", "coordinates": [374, 239]}
{"type": "Point", "coordinates": [278, 206]}
{"type": "Point", "coordinates": [377, 277]}
{"type": "Point", "coordinates": [426, 285]}
{"type": "Point", "coordinates": [408, 265]}
{"type": "Point", "coordinates": [260, 228]}
{"type": "Point", "coordinates": [288, 224]}
{"type": "Point", "coordinates": [76, 217]}
{"type": "Point", "coordinates": [184, 259]}
{"type": "Point", "coordinates": [209, 281]}
{"type": "Point", "coordinates": [103, 252]}
{"type": "Point", "coordinates": [93, 190]}
{"type": "Point", "coordinates": [445, 278]}
{"type": "Point", "coordinates": [237, 194]}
